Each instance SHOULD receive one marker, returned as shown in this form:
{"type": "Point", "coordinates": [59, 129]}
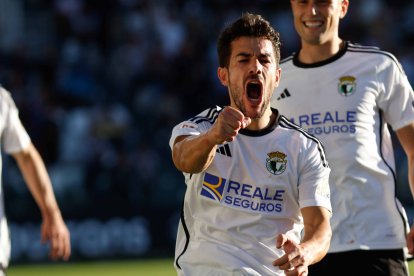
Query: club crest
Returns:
{"type": "Point", "coordinates": [276, 162]}
{"type": "Point", "coordinates": [347, 85]}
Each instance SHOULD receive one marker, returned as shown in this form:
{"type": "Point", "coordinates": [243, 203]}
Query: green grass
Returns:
{"type": "Point", "coordinates": [153, 267]}
{"type": "Point", "coordinates": [163, 267]}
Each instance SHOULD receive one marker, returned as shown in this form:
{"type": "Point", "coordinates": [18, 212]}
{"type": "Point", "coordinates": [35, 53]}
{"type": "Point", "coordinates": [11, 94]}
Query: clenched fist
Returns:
{"type": "Point", "coordinates": [228, 124]}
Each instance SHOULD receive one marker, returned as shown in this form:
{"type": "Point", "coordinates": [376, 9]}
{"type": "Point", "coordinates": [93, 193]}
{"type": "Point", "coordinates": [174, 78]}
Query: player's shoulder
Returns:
{"type": "Point", "coordinates": [306, 137]}
{"type": "Point", "coordinates": [287, 124]}
{"type": "Point", "coordinates": [4, 93]}
{"type": "Point", "coordinates": [209, 115]}
{"type": "Point", "coordinates": [287, 61]}
{"type": "Point", "coordinates": [5, 96]}
{"type": "Point", "coordinates": [373, 52]}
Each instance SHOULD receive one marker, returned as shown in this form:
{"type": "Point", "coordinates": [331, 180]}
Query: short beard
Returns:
{"type": "Point", "coordinates": [239, 104]}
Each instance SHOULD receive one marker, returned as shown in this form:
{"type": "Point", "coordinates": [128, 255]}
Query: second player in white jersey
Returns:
{"type": "Point", "coordinates": [253, 190]}
{"type": "Point", "coordinates": [350, 108]}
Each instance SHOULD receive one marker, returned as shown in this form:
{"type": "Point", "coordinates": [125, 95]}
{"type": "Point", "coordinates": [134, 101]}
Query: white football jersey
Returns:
{"type": "Point", "coordinates": [253, 191]}
{"type": "Point", "coordinates": [13, 138]}
{"type": "Point", "coordinates": [348, 102]}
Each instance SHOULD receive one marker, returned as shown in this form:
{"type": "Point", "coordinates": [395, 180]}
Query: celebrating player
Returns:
{"type": "Point", "coordinates": [254, 180]}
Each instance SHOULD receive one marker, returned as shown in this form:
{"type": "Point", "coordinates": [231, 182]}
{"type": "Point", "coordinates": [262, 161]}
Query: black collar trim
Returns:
{"type": "Point", "coordinates": [320, 63]}
{"type": "Point", "coordinates": [255, 133]}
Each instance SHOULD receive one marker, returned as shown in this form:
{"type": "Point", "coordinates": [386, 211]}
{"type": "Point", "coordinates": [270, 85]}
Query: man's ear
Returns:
{"type": "Point", "coordinates": [278, 74]}
{"type": "Point", "coordinates": [223, 75]}
{"type": "Point", "coordinates": [344, 8]}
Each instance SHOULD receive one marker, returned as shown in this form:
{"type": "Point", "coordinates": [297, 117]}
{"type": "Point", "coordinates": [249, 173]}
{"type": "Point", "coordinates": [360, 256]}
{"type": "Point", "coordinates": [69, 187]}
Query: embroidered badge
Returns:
{"type": "Point", "coordinates": [276, 162]}
{"type": "Point", "coordinates": [347, 85]}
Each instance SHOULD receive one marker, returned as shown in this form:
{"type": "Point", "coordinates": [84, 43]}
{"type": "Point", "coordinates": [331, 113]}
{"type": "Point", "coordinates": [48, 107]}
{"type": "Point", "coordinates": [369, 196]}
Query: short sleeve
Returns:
{"type": "Point", "coordinates": [396, 98]}
{"type": "Point", "coordinates": [314, 176]}
{"type": "Point", "coordinates": [14, 137]}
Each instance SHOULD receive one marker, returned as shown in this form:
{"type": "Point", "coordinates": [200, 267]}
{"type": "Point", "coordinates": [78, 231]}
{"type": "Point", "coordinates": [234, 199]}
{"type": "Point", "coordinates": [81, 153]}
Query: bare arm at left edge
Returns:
{"type": "Point", "coordinates": [37, 179]}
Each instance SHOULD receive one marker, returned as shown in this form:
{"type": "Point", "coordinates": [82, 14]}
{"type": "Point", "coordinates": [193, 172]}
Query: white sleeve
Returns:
{"type": "Point", "coordinates": [314, 177]}
{"type": "Point", "coordinates": [14, 136]}
{"type": "Point", "coordinates": [184, 128]}
{"type": "Point", "coordinates": [196, 125]}
{"type": "Point", "coordinates": [396, 98]}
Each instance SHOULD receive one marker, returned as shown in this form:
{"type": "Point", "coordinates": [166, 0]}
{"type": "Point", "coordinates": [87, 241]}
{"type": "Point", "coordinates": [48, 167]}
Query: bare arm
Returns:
{"type": "Point", "coordinates": [37, 179]}
{"type": "Point", "coordinates": [406, 137]}
{"type": "Point", "coordinates": [193, 154]}
{"type": "Point", "coordinates": [313, 247]}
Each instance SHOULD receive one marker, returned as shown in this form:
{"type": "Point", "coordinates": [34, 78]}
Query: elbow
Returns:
{"type": "Point", "coordinates": [185, 165]}
{"type": "Point", "coordinates": [188, 167]}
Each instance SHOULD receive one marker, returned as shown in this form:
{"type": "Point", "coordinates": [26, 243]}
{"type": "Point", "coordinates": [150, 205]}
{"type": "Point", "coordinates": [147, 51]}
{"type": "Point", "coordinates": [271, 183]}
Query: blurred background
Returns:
{"type": "Point", "coordinates": [100, 85]}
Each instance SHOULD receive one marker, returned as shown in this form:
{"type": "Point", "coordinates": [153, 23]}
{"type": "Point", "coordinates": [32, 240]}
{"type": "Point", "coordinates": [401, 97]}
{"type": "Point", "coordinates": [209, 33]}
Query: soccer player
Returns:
{"type": "Point", "coordinates": [16, 142]}
{"type": "Point", "coordinates": [348, 95]}
{"type": "Point", "coordinates": [254, 180]}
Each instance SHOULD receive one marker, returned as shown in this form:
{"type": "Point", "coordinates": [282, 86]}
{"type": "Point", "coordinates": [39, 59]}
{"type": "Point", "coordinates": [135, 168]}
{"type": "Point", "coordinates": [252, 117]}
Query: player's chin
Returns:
{"type": "Point", "coordinates": [255, 111]}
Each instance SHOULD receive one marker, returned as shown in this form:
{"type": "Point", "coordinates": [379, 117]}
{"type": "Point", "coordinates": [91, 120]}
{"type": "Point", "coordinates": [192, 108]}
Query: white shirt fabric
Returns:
{"type": "Point", "coordinates": [252, 191]}
{"type": "Point", "coordinates": [348, 102]}
{"type": "Point", "coordinates": [14, 138]}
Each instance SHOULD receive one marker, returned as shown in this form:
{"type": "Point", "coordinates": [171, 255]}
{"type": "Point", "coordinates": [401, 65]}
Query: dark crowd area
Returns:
{"type": "Point", "coordinates": [100, 85]}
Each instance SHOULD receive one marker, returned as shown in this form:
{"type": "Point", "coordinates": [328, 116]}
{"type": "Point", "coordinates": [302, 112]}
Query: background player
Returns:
{"type": "Point", "coordinates": [348, 95]}
{"type": "Point", "coordinates": [16, 141]}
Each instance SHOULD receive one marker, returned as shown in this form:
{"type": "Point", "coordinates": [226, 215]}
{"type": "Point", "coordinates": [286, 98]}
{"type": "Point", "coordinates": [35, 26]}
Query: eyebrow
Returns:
{"type": "Point", "coordinates": [244, 54]}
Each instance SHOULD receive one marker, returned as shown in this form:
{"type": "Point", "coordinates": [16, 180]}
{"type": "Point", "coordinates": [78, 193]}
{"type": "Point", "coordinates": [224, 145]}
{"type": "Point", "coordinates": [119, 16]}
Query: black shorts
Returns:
{"type": "Point", "coordinates": [362, 263]}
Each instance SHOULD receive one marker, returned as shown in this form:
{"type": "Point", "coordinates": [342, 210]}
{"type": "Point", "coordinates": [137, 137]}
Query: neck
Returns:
{"type": "Point", "coordinates": [312, 53]}
{"type": "Point", "coordinates": [265, 121]}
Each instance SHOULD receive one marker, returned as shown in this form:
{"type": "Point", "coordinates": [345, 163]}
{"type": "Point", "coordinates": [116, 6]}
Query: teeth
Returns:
{"type": "Point", "coordinates": [313, 24]}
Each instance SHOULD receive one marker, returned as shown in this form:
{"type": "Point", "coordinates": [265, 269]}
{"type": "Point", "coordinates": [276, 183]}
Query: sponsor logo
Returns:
{"type": "Point", "coordinates": [329, 122]}
{"type": "Point", "coordinates": [189, 125]}
{"type": "Point", "coordinates": [276, 162]}
{"type": "Point", "coordinates": [213, 187]}
{"type": "Point", "coordinates": [347, 85]}
{"type": "Point", "coordinates": [242, 195]}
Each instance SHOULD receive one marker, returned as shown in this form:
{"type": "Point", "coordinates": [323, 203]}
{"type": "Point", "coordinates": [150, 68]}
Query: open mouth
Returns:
{"type": "Point", "coordinates": [254, 90]}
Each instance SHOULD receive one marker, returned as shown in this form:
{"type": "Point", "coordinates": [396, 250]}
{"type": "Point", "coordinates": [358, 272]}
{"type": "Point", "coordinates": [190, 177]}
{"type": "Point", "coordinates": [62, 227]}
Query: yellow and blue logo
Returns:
{"type": "Point", "coordinates": [213, 187]}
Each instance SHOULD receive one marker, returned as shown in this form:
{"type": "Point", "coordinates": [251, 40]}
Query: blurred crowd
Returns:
{"type": "Point", "coordinates": [100, 84]}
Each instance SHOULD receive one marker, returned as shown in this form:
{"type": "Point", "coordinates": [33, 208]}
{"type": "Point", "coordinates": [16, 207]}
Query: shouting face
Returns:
{"type": "Point", "coordinates": [251, 76]}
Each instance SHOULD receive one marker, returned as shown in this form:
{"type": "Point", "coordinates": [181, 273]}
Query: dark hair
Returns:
{"type": "Point", "coordinates": [251, 25]}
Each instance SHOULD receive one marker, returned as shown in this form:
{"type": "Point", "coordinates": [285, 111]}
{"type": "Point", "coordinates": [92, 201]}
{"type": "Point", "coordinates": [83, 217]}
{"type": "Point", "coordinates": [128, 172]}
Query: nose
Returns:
{"type": "Point", "coordinates": [255, 67]}
{"type": "Point", "coordinates": [313, 9]}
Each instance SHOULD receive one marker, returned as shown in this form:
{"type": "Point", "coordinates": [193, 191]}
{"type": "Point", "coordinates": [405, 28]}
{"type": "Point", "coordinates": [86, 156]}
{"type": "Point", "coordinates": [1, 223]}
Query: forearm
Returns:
{"type": "Point", "coordinates": [411, 173]}
{"type": "Point", "coordinates": [318, 242]}
{"type": "Point", "coordinates": [317, 236]}
{"type": "Point", "coordinates": [193, 154]}
{"type": "Point", "coordinates": [37, 179]}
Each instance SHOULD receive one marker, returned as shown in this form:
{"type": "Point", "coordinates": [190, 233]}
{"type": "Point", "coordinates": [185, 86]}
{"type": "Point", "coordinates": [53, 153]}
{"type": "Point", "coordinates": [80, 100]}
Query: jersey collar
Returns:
{"type": "Point", "coordinates": [338, 55]}
{"type": "Point", "coordinates": [264, 131]}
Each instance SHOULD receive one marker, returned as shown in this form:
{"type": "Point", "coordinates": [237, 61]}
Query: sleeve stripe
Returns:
{"type": "Point", "coordinates": [284, 122]}
{"type": "Point", "coordinates": [211, 116]}
{"type": "Point", "coordinates": [374, 50]}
